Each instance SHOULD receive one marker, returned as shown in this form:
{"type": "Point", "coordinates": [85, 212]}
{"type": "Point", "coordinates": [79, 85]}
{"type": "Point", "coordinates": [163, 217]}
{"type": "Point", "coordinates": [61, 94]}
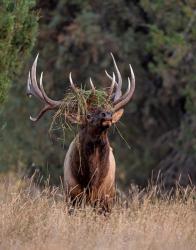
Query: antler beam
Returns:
{"type": "Point", "coordinates": [33, 89]}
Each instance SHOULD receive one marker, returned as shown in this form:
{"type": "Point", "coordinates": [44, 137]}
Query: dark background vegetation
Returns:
{"type": "Point", "coordinates": [157, 37]}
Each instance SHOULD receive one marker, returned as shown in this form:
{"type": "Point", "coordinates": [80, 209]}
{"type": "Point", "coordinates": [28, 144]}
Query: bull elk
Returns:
{"type": "Point", "coordinates": [89, 165]}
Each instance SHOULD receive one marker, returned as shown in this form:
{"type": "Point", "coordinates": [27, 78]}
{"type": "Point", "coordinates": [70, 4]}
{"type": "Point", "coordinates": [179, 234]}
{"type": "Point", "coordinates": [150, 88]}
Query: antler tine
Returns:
{"type": "Point", "coordinates": [46, 98]}
{"type": "Point", "coordinates": [71, 83]}
{"type": "Point", "coordinates": [118, 92]}
{"type": "Point", "coordinates": [30, 88]}
{"type": "Point", "coordinates": [126, 93]}
{"type": "Point", "coordinates": [111, 77]}
{"type": "Point", "coordinates": [127, 96]}
{"type": "Point", "coordinates": [92, 85]}
{"type": "Point", "coordinates": [28, 91]}
{"type": "Point", "coordinates": [39, 92]}
{"type": "Point", "coordinates": [44, 110]}
{"type": "Point", "coordinates": [112, 85]}
{"type": "Point", "coordinates": [32, 81]}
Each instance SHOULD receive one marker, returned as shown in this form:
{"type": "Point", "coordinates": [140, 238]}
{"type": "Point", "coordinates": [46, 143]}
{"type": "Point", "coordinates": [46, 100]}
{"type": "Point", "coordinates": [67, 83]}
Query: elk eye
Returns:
{"type": "Point", "coordinates": [88, 116]}
{"type": "Point", "coordinates": [103, 114]}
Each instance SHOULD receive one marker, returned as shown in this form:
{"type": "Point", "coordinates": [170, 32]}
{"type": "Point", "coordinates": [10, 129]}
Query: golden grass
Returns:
{"type": "Point", "coordinates": [33, 219]}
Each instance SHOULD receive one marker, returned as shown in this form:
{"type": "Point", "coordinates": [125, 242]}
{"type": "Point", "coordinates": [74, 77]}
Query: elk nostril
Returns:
{"type": "Point", "coordinates": [88, 116]}
{"type": "Point", "coordinates": [103, 114]}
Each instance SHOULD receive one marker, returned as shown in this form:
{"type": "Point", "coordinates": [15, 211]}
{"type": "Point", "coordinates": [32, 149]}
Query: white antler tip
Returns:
{"type": "Point", "coordinates": [41, 76]}
{"type": "Point", "coordinates": [71, 82]}
{"type": "Point", "coordinates": [129, 84]}
{"type": "Point", "coordinates": [70, 78]}
{"type": "Point", "coordinates": [41, 82]}
{"type": "Point", "coordinates": [36, 59]}
{"type": "Point", "coordinates": [132, 73]}
{"type": "Point", "coordinates": [92, 85]}
{"type": "Point", "coordinates": [32, 119]}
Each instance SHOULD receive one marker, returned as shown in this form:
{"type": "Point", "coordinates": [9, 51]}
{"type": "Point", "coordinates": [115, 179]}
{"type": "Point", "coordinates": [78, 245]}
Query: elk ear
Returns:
{"type": "Point", "coordinates": [117, 115]}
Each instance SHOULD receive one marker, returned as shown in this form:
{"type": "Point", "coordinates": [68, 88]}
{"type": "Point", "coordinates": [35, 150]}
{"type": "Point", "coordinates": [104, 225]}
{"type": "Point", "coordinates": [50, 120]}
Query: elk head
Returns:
{"type": "Point", "coordinates": [95, 119]}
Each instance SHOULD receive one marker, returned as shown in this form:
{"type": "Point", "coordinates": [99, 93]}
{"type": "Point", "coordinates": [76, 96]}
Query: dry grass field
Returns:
{"type": "Point", "coordinates": [30, 219]}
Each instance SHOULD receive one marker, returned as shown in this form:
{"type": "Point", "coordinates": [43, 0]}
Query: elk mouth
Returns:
{"type": "Point", "coordinates": [107, 123]}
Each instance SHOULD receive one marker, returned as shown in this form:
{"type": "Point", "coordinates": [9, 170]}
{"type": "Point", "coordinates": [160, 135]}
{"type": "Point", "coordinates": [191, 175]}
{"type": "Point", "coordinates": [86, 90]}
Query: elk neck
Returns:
{"type": "Point", "coordinates": [91, 157]}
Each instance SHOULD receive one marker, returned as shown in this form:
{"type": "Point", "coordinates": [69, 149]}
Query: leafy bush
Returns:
{"type": "Point", "coordinates": [18, 26]}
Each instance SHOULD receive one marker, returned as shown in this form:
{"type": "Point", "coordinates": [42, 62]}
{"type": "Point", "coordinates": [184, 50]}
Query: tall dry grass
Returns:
{"type": "Point", "coordinates": [30, 219]}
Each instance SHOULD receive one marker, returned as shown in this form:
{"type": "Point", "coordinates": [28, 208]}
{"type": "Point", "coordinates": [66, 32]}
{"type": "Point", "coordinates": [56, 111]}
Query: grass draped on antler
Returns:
{"type": "Point", "coordinates": [78, 104]}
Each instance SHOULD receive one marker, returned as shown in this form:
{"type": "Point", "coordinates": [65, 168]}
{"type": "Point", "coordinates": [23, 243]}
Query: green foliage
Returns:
{"type": "Point", "coordinates": [18, 26]}
{"type": "Point", "coordinates": [172, 43]}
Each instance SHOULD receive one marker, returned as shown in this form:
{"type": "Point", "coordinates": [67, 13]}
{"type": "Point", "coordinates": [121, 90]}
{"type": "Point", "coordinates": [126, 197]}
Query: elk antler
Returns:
{"type": "Point", "coordinates": [33, 89]}
{"type": "Point", "coordinates": [92, 86]}
{"type": "Point", "coordinates": [72, 84]}
{"type": "Point", "coordinates": [120, 100]}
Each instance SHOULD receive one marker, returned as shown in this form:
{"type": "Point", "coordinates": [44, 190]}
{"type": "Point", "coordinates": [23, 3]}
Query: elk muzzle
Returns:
{"type": "Point", "coordinates": [106, 118]}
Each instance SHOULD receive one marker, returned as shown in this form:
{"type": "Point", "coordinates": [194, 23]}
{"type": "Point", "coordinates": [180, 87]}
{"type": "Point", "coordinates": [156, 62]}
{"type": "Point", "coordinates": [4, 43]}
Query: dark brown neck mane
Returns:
{"type": "Point", "coordinates": [90, 157]}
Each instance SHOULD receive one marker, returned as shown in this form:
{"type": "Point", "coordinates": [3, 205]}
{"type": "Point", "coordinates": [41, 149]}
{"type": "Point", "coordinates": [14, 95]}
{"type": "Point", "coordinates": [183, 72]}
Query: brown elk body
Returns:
{"type": "Point", "coordinates": [89, 166]}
